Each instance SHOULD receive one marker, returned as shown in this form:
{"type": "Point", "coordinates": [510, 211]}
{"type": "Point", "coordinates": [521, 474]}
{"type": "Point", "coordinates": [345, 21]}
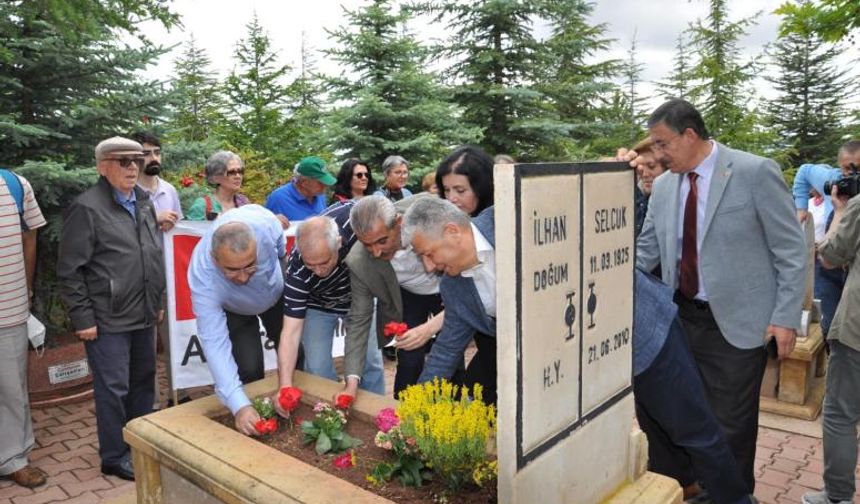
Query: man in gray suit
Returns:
{"type": "Point", "coordinates": [383, 268]}
{"type": "Point", "coordinates": [721, 223]}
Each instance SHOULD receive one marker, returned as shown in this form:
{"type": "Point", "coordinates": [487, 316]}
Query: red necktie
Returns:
{"type": "Point", "coordinates": [689, 281]}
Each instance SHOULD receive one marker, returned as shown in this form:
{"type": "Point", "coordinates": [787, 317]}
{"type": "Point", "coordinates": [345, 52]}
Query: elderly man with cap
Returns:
{"type": "Point", "coordinates": [111, 275]}
{"type": "Point", "coordinates": [304, 196]}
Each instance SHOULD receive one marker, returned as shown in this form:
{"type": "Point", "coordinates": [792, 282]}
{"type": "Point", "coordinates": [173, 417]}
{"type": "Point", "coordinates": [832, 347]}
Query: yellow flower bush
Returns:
{"type": "Point", "coordinates": [451, 430]}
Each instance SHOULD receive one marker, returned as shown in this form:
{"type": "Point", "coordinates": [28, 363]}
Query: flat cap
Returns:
{"type": "Point", "coordinates": [117, 146]}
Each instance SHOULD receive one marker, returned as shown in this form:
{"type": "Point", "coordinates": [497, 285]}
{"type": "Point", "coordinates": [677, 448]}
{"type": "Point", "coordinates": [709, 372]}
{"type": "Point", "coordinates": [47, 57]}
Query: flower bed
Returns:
{"type": "Point", "coordinates": [364, 465]}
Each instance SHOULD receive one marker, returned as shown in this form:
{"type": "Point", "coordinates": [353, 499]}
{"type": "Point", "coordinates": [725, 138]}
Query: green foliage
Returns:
{"type": "Point", "coordinates": [578, 83]}
{"type": "Point", "coordinates": [264, 407]}
{"type": "Point", "coordinates": [833, 20]}
{"type": "Point", "coordinates": [678, 84]}
{"type": "Point", "coordinates": [392, 104]}
{"type": "Point", "coordinates": [197, 101]}
{"type": "Point", "coordinates": [256, 95]}
{"type": "Point", "coordinates": [326, 430]}
{"type": "Point", "coordinates": [497, 58]}
{"type": "Point", "coordinates": [55, 188]}
{"type": "Point", "coordinates": [66, 83]}
{"type": "Point", "coordinates": [722, 86]}
{"type": "Point", "coordinates": [810, 107]}
{"type": "Point", "coordinates": [60, 95]}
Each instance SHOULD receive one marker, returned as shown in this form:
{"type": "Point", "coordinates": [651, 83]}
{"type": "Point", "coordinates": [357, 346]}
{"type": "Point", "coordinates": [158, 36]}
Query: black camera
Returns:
{"type": "Point", "coordinates": [849, 185]}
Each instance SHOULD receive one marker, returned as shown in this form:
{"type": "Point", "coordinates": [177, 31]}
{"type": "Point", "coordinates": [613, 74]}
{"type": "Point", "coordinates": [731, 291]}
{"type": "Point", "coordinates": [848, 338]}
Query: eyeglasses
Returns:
{"type": "Point", "coordinates": [126, 162]}
{"type": "Point", "coordinates": [360, 175]}
{"type": "Point", "coordinates": [230, 173]}
{"type": "Point", "coordinates": [154, 152]}
{"type": "Point", "coordinates": [661, 145]}
{"type": "Point", "coordinates": [234, 272]}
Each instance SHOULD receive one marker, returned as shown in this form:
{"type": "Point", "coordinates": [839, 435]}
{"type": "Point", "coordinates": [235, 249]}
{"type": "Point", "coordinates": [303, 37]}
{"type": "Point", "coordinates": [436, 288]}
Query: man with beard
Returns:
{"type": "Point", "coordinates": [168, 211]}
{"type": "Point", "coordinates": [162, 194]}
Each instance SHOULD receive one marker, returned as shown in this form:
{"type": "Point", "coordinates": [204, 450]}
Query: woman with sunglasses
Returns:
{"type": "Point", "coordinates": [224, 171]}
{"type": "Point", "coordinates": [353, 182]}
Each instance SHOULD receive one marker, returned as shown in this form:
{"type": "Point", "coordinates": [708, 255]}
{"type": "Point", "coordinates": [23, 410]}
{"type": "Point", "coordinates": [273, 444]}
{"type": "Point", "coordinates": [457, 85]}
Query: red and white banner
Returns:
{"type": "Point", "coordinates": [187, 362]}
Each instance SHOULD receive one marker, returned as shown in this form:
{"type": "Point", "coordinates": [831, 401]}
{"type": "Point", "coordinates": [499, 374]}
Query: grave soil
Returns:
{"type": "Point", "coordinates": [289, 440]}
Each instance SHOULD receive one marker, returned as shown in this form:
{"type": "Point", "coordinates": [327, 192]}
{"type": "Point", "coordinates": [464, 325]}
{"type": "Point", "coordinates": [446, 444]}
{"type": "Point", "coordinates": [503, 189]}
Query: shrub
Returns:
{"type": "Point", "coordinates": [450, 429]}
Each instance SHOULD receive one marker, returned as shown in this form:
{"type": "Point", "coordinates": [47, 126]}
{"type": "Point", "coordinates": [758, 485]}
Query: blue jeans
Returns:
{"type": "Point", "coordinates": [317, 336]}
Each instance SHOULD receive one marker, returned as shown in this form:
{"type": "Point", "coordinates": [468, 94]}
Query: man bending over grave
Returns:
{"type": "Point", "coordinates": [684, 438]}
{"type": "Point", "coordinates": [447, 241]}
{"type": "Point", "coordinates": [316, 295]}
{"type": "Point", "coordinates": [235, 277]}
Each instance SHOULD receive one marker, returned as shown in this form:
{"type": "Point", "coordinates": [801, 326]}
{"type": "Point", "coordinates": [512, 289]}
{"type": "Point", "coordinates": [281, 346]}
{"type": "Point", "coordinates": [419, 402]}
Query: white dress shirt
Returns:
{"type": "Point", "coordinates": [484, 273]}
{"type": "Point", "coordinates": [705, 171]}
{"type": "Point", "coordinates": [411, 274]}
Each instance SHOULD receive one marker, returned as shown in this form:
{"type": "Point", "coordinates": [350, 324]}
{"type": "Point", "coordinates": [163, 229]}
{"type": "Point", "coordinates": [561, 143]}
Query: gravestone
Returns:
{"type": "Point", "coordinates": [564, 267]}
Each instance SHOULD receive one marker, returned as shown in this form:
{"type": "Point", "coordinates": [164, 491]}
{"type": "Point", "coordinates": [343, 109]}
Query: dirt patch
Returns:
{"type": "Point", "coordinates": [289, 440]}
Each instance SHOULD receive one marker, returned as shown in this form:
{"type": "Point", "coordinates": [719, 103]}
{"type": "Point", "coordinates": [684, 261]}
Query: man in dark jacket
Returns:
{"type": "Point", "coordinates": [111, 274]}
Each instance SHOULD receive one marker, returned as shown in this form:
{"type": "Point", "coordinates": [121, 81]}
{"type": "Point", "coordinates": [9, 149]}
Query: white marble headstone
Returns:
{"type": "Point", "coordinates": [564, 267]}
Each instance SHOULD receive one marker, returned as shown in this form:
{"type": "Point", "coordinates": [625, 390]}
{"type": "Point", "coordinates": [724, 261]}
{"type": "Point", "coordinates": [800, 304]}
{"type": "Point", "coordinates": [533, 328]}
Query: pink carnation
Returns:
{"type": "Point", "coordinates": [386, 419]}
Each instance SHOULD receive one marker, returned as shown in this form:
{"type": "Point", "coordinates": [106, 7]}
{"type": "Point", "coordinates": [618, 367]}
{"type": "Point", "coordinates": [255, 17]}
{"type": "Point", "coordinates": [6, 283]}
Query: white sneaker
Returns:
{"type": "Point", "coordinates": [820, 498]}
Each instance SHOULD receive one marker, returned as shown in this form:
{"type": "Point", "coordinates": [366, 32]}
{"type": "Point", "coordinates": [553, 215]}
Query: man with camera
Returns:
{"type": "Point", "coordinates": [841, 247]}
{"type": "Point", "coordinates": [828, 282]}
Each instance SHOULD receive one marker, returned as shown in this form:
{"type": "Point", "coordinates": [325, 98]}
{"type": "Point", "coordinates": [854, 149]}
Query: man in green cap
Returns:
{"type": "Point", "coordinates": [302, 197]}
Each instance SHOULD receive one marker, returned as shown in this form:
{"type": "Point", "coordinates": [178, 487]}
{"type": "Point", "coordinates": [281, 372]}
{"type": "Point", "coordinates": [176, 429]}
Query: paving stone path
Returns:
{"type": "Point", "coordinates": [787, 465]}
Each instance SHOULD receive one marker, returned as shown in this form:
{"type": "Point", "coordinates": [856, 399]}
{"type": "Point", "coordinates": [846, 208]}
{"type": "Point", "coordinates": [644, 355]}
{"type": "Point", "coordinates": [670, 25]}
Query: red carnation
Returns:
{"type": "Point", "coordinates": [264, 426]}
{"type": "Point", "coordinates": [396, 329]}
{"type": "Point", "coordinates": [343, 401]}
{"type": "Point", "coordinates": [187, 181]}
{"type": "Point", "coordinates": [289, 398]}
{"type": "Point", "coordinates": [344, 461]}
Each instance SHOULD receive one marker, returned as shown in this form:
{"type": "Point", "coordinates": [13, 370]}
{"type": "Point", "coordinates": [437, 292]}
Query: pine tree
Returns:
{"type": "Point", "coordinates": [306, 123]}
{"type": "Point", "coordinates": [498, 62]}
{"type": "Point", "coordinates": [197, 102]}
{"type": "Point", "coordinates": [256, 97]}
{"type": "Point", "coordinates": [62, 94]}
{"type": "Point", "coordinates": [579, 85]}
{"type": "Point", "coordinates": [66, 83]}
{"type": "Point", "coordinates": [810, 106]}
{"type": "Point", "coordinates": [722, 87]}
{"type": "Point", "coordinates": [635, 117]}
{"type": "Point", "coordinates": [677, 84]}
{"type": "Point", "coordinates": [392, 105]}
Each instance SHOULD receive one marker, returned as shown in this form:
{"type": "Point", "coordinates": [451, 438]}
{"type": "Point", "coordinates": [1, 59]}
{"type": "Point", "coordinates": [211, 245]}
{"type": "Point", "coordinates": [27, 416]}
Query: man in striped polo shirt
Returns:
{"type": "Point", "coordinates": [316, 295]}
{"type": "Point", "coordinates": [17, 264]}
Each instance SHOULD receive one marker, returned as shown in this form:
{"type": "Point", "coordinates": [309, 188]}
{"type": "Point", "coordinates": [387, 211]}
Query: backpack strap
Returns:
{"type": "Point", "coordinates": [208, 200]}
{"type": "Point", "coordinates": [16, 189]}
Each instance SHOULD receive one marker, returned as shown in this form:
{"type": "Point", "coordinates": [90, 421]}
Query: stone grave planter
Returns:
{"type": "Point", "coordinates": [182, 455]}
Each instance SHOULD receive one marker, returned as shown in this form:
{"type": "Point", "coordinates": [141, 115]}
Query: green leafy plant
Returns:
{"type": "Point", "coordinates": [326, 430]}
{"type": "Point", "coordinates": [407, 467]}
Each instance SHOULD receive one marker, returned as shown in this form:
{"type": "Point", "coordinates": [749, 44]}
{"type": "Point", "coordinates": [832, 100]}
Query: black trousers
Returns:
{"type": "Point", "coordinates": [417, 309]}
{"type": "Point", "coordinates": [482, 367]}
{"type": "Point", "coordinates": [123, 368]}
{"type": "Point", "coordinates": [685, 441]}
{"type": "Point", "coordinates": [245, 338]}
{"type": "Point", "coordinates": [732, 378]}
